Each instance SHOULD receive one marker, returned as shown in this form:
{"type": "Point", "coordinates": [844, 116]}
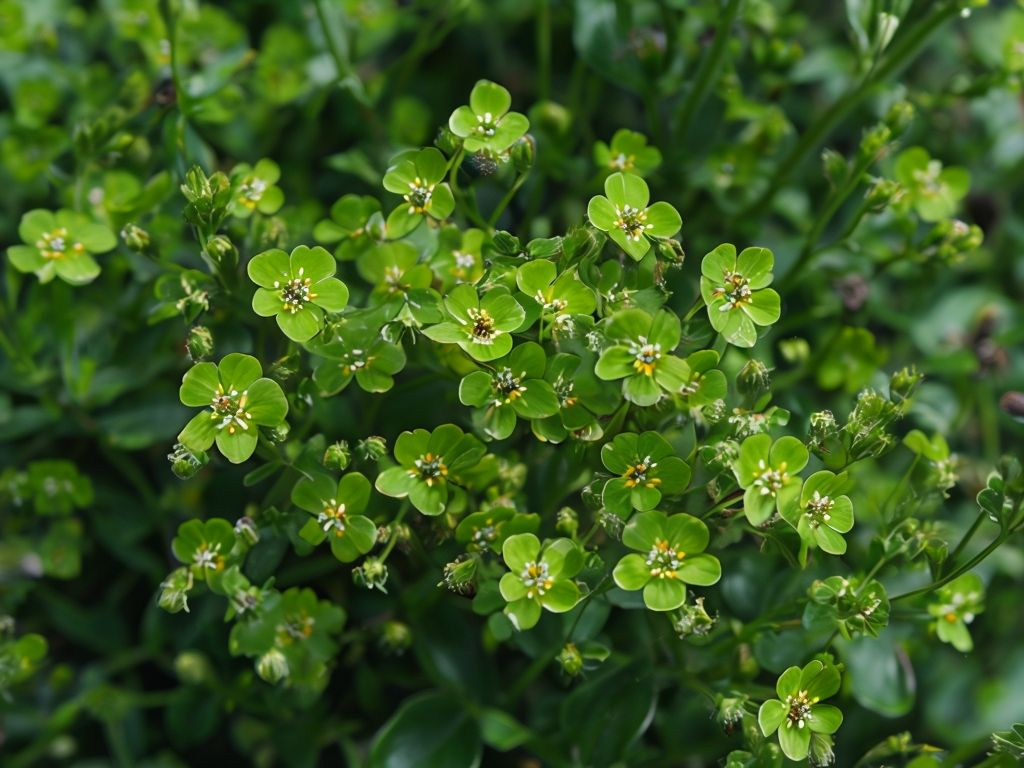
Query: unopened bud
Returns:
{"type": "Point", "coordinates": [174, 590]}
{"type": "Point", "coordinates": [372, 574]}
{"type": "Point", "coordinates": [570, 660]}
{"type": "Point", "coordinates": [199, 343]}
{"type": "Point", "coordinates": [246, 529]}
{"type": "Point", "coordinates": [567, 522]}
{"type": "Point", "coordinates": [372, 448]}
{"type": "Point", "coordinates": [899, 117]}
{"type": "Point", "coordinates": [186, 462]}
{"type": "Point", "coordinates": [835, 166]}
{"type": "Point", "coordinates": [136, 238]}
{"type": "Point", "coordinates": [337, 456]}
{"type": "Point", "coordinates": [883, 193]}
{"type": "Point", "coordinates": [223, 252]}
{"type": "Point", "coordinates": [754, 379]}
{"type": "Point", "coordinates": [395, 637]}
{"type": "Point", "coordinates": [447, 141]}
{"type": "Point", "coordinates": [460, 576]}
{"type": "Point", "coordinates": [522, 153]}
{"type": "Point", "coordinates": [272, 666]}
{"type": "Point", "coordinates": [192, 667]}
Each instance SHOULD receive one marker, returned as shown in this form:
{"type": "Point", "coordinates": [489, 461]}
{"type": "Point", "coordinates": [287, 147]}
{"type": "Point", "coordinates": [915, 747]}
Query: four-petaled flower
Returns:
{"type": "Point", "coordinates": [337, 509]}
{"type": "Point", "coordinates": [623, 213]}
{"type": "Point", "coordinates": [205, 547]}
{"type": "Point", "coordinates": [255, 189]}
{"type": "Point", "coordinates": [515, 388]}
{"type": "Point", "coordinates": [798, 713]}
{"type": "Point", "coordinates": [735, 290]}
{"type": "Point", "coordinates": [957, 603]}
{"type": "Point", "coordinates": [823, 514]}
{"type": "Point", "coordinates": [559, 296]}
{"type": "Point", "coordinates": [647, 467]}
{"type": "Point", "coordinates": [482, 325]}
{"type": "Point", "coordinates": [642, 355]}
{"type": "Point", "coordinates": [239, 402]}
{"type": "Point", "coordinates": [486, 124]}
{"type": "Point", "coordinates": [60, 245]}
{"type": "Point", "coordinates": [538, 578]}
{"type": "Point", "coordinates": [770, 474]}
{"type": "Point", "coordinates": [418, 177]}
{"type": "Point", "coordinates": [356, 350]}
{"type": "Point", "coordinates": [705, 384]}
{"type": "Point", "coordinates": [933, 191]}
{"type": "Point", "coordinates": [427, 463]}
{"type": "Point", "coordinates": [297, 289]}
{"type": "Point", "coordinates": [671, 556]}
{"type": "Point", "coordinates": [459, 257]}
{"type": "Point", "coordinates": [356, 224]}
{"type": "Point", "coordinates": [488, 529]}
{"type": "Point", "coordinates": [627, 152]}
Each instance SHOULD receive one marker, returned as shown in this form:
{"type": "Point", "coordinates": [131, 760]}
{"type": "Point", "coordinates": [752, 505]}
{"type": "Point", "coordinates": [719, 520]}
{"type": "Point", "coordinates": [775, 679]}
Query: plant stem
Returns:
{"type": "Point", "coordinates": [543, 50]}
{"type": "Point", "coordinates": [968, 535]}
{"type": "Point", "coordinates": [496, 213]}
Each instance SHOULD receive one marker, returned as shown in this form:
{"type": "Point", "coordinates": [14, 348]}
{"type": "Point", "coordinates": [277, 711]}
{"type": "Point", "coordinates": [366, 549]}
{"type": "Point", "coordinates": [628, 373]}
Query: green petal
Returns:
{"type": "Point", "coordinates": [752, 450]}
{"type": "Point", "coordinates": [400, 174]}
{"type": "Point", "coordinates": [643, 498]}
{"type": "Point", "coordinates": [756, 264]}
{"type": "Point", "coordinates": [829, 541]}
{"type": "Point", "coordinates": [757, 507]}
{"type": "Point", "coordinates": [238, 371]}
{"type": "Point", "coordinates": [508, 313]}
{"type": "Point", "coordinates": [430, 165]}
{"type": "Point", "coordinates": [446, 333]}
{"type": "Point", "coordinates": [429, 499]}
{"type": "Point", "coordinates": [664, 594]}
{"type": "Point", "coordinates": [519, 550]}
{"type": "Point", "coordinates": [442, 203]}
{"type": "Point", "coordinates": [302, 325]}
{"type": "Point", "coordinates": [614, 363]}
{"type": "Point", "coordinates": [267, 403]}
{"type": "Point", "coordinates": [632, 572]}
{"type": "Point", "coordinates": [313, 263]}
{"type": "Point", "coordinates": [771, 715]}
{"type": "Point", "coordinates": [527, 360]}
{"type": "Point", "coordinates": [499, 421]}
{"type": "Point", "coordinates": [25, 258]}
{"type": "Point", "coordinates": [687, 533]}
{"type": "Point", "coordinates": [841, 516]}
{"type": "Point", "coordinates": [627, 189]}
{"type": "Point", "coordinates": [401, 222]}
{"type": "Point", "coordinates": [510, 129]}
{"type": "Point", "coordinates": [674, 474]}
{"type": "Point", "coordinates": [629, 325]}
{"type": "Point", "coordinates": [665, 330]}
{"type": "Point", "coordinates": [641, 390]}
{"type": "Point", "coordinates": [499, 347]}
{"type": "Point", "coordinates": [524, 614]}
{"type": "Point", "coordinates": [739, 329]}
{"type": "Point", "coordinates": [267, 303]}
{"type": "Point", "coordinates": [34, 223]}
{"type": "Point", "coordinates": [269, 268]}
{"type": "Point", "coordinates": [489, 97]}
{"type": "Point", "coordinates": [200, 432]}
{"type": "Point", "coordinates": [562, 597]}
{"type": "Point", "coordinates": [643, 529]}
{"type": "Point", "coordinates": [790, 451]}
{"type": "Point", "coordinates": [764, 307]}
{"type": "Point", "coordinates": [331, 294]}
{"type": "Point", "coordinates": [463, 122]}
{"type": "Point", "coordinates": [237, 447]}
{"type": "Point", "coordinates": [820, 681]}
{"type": "Point", "coordinates": [536, 276]}
{"type": "Point", "coordinates": [512, 587]}
{"type": "Point", "coordinates": [700, 570]}
{"type": "Point", "coordinates": [360, 535]}
{"type": "Point", "coordinates": [825, 718]}
{"type": "Point", "coordinates": [601, 213]}
{"type": "Point", "coordinates": [788, 683]}
{"type": "Point", "coordinates": [95, 237]}
{"type": "Point", "coordinates": [719, 263]}
{"type": "Point", "coordinates": [664, 220]}
{"type": "Point", "coordinates": [616, 497]}
{"type": "Point", "coordinates": [77, 269]}
{"type": "Point", "coordinates": [411, 445]}
{"type": "Point", "coordinates": [475, 389]}
{"type": "Point", "coordinates": [310, 493]}
{"type": "Point", "coordinates": [267, 170]}
{"type": "Point", "coordinates": [199, 385]}
{"type": "Point", "coordinates": [537, 402]}
{"type": "Point", "coordinates": [636, 249]}
{"type": "Point", "coordinates": [795, 742]}
{"type": "Point", "coordinates": [395, 482]}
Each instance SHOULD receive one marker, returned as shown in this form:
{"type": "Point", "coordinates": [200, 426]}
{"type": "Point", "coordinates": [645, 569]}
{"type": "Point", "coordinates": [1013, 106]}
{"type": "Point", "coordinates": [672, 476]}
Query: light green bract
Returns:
{"type": "Point", "coordinates": [297, 289]}
{"type": "Point", "coordinates": [337, 508]}
{"type": "Point", "coordinates": [735, 290]}
{"type": "Point", "coordinates": [239, 402]}
{"type": "Point", "coordinates": [428, 462]}
{"type": "Point", "coordinates": [60, 245]}
{"type": "Point", "coordinates": [641, 354]}
{"type": "Point", "coordinates": [486, 124]}
{"type": "Point", "coordinates": [623, 213]}
{"type": "Point", "coordinates": [482, 326]}
{"type": "Point", "coordinates": [672, 555]}
{"type": "Point", "coordinates": [538, 578]}
{"type": "Point", "coordinates": [798, 714]}
{"type": "Point", "coordinates": [418, 177]}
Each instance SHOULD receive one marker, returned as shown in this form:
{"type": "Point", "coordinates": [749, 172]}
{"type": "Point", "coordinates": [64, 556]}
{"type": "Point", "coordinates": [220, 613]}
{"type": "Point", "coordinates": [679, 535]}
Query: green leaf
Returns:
{"type": "Point", "coordinates": [501, 731]}
{"type": "Point", "coordinates": [428, 729]}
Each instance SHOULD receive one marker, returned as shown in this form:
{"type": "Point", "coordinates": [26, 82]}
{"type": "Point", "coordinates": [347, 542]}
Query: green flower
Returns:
{"type": "Point", "coordinates": [933, 191]}
{"type": "Point", "coordinates": [559, 296]}
{"type": "Point", "coordinates": [770, 473]}
{"type": "Point", "coordinates": [356, 224]}
{"type": "Point", "coordinates": [673, 556]}
{"type": "Point", "coordinates": [357, 350]}
{"type": "Point", "coordinates": [239, 401]}
{"type": "Point", "coordinates": [254, 189]}
{"type": "Point", "coordinates": [797, 713]}
{"type": "Point", "coordinates": [640, 354]}
{"type": "Point", "coordinates": [482, 326]}
{"type": "Point", "coordinates": [459, 258]}
{"type": "Point", "coordinates": [418, 177]}
{"type": "Point", "coordinates": [488, 529]}
{"type": "Point", "coordinates": [427, 463]}
{"type": "Point", "coordinates": [297, 289]}
{"type": "Point", "coordinates": [958, 603]}
{"type": "Point", "coordinates": [515, 388]}
{"type": "Point", "coordinates": [204, 547]}
{"type": "Point", "coordinates": [538, 578]}
{"type": "Point", "coordinates": [647, 467]}
{"type": "Point", "coordinates": [581, 398]}
{"type": "Point", "coordinates": [394, 271]}
{"type": "Point", "coordinates": [626, 217]}
{"type": "Point", "coordinates": [822, 516]}
{"type": "Point", "coordinates": [628, 152]}
{"type": "Point", "coordinates": [60, 244]}
{"type": "Point", "coordinates": [705, 384]}
{"type": "Point", "coordinates": [735, 290]}
{"type": "Point", "coordinates": [486, 124]}
{"type": "Point", "coordinates": [338, 509]}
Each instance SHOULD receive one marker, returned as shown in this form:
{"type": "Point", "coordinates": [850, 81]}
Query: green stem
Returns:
{"type": "Point", "coordinates": [342, 66]}
{"type": "Point", "coordinates": [496, 213]}
{"type": "Point", "coordinates": [728, 501]}
{"type": "Point", "coordinates": [966, 538]}
{"type": "Point", "coordinates": [708, 70]}
{"type": "Point", "coordinates": [543, 50]}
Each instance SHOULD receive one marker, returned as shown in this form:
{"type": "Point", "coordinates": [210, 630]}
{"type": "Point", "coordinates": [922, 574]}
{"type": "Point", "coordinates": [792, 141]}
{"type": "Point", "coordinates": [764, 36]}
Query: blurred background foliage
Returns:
{"type": "Point", "coordinates": [94, 116]}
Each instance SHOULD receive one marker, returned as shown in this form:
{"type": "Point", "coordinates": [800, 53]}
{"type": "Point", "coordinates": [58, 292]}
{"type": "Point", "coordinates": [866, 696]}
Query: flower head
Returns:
{"type": "Point", "coordinates": [418, 176]}
{"type": "Point", "coordinates": [538, 577]}
{"type": "Point", "coordinates": [355, 223]}
{"type": "Point", "coordinates": [486, 124]}
{"type": "Point", "coordinates": [337, 513]}
{"type": "Point", "coordinates": [205, 547]}
{"type": "Point", "coordinates": [735, 290]}
{"type": "Point", "coordinates": [559, 296]}
{"type": "Point", "coordinates": [628, 152]}
{"type": "Point", "coordinates": [933, 191]}
{"type": "Point", "coordinates": [770, 473]}
{"type": "Point", "coordinates": [623, 213]}
{"type": "Point", "coordinates": [647, 467]}
{"type": "Point", "coordinates": [822, 515]}
{"type": "Point", "coordinates": [254, 188]}
{"type": "Point", "coordinates": [641, 354]}
{"type": "Point", "coordinates": [480, 325]}
{"type": "Point", "coordinates": [956, 605]}
{"type": "Point", "coordinates": [60, 245]}
{"type": "Point", "coordinates": [798, 712]}
{"type": "Point", "coordinates": [355, 350]}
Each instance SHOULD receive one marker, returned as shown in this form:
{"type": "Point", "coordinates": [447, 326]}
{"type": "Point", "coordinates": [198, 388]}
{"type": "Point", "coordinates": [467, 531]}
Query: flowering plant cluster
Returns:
{"type": "Point", "coordinates": [505, 432]}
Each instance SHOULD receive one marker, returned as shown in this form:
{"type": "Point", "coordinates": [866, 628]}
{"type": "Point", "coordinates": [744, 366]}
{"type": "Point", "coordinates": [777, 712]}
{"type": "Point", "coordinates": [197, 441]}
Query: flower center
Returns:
{"type": "Point", "coordinates": [736, 291]}
{"type": "Point", "coordinates": [208, 557]}
{"type": "Point", "coordinates": [54, 245]}
{"type": "Point", "coordinates": [799, 709]}
{"type": "Point", "coordinates": [819, 510]}
{"type": "Point", "coordinates": [536, 578]}
{"type": "Point", "coordinates": [464, 260]}
{"type": "Point", "coordinates": [333, 517]}
{"type": "Point", "coordinates": [664, 561]}
{"type": "Point", "coordinates": [637, 474]}
{"type": "Point", "coordinates": [485, 533]}
{"type": "Point", "coordinates": [297, 292]}
{"type": "Point", "coordinates": [623, 162]}
{"type": "Point", "coordinates": [297, 627]}
{"type": "Point", "coordinates": [252, 191]}
{"type": "Point", "coordinates": [419, 195]}
{"type": "Point", "coordinates": [550, 305]}
{"type": "Point", "coordinates": [487, 124]}
{"type": "Point", "coordinates": [632, 221]}
{"type": "Point", "coordinates": [563, 388]}
{"type": "Point", "coordinates": [646, 354]}
{"type": "Point", "coordinates": [229, 407]}
{"type": "Point", "coordinates": [355, 362]}
{"type": "Point", "coordinates": [483, 325]}
{"type": "Point", "coordinates": [770, 479]}
{"type": "Point", "coordinates": [430, 469]}
{"type": "Point", "coordinates": [928, 179]}
{"type": "Point", "coordinates": [508, 386]}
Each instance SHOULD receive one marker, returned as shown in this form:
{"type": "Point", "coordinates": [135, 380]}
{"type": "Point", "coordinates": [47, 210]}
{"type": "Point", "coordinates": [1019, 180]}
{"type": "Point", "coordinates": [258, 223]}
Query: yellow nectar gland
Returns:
{"type": "Point", "coordinates": [418, 196]}
{"type": "Point", "coordinates": [664, 561]}
{"type": "Point", "coordinates": [799, 709]}
{"type": "Point", "coordinates": [229, 407]}
{"type": "Point", "coordinates": [536, 578]}
{"type": "Point", "coordinates": [637, 474]}
{"type": "Point", "coordinates": [251, 192]}
{"type": "Point", "coordinates": [483, 331]}
{"type": "Point", "coordinates": [54, 245]}
{"type": "Point", "coordinates": [646, 355]}
{"type": "Point", "coordinates": [736, 291]}
{"type": "Point", "coordinates": [430, 469]}
{"type": "Point", "coordinates": [333, 518]}
{"type": "Point", "coordinates": [632, 221]}
{"type": "Point", "coordinates": [297, 292]}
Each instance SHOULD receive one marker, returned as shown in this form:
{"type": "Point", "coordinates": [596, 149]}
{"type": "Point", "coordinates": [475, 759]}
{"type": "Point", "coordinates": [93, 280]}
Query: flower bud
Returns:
{"type": "Point", "coordinates": [875, 141]}
{"type": "Point", "coordinates": [185, 462]}
{"type": "Point", "coordinates": [372, 574]}
{"type": "Point", "coordinates": [174, 590]}
{"type": "Point", "coordinates": [223, 252]}
{"type": "Point", "coordinates": [693, 620]}
{"type": "Point", "coordinates": [714, 412]}
{"type": "Point", "coordinates": [567, 522]}
{"type": "Point", "coordinates": [507, 244]}
{"type": "Point", "coordinates": [460, 576]}
{"type": "Point", "coordinates": [754, 380]}
{"type": "Point", "coordinates": [192, 667]}
{"type": "Point", "coordinates": [551, 117]}
{"type": "Point", "coordinates": [795, 350]}
{"type": "Point", "coordinates": [671, 251]}
{"type": "Point", "coordinates": [279, 433]}
{"type": "Point", "coordinates": [729, 710]}
{"type": "Point", "coordinates": [136, 238]}
{"type": "Point", "coordinates": [337, 456]}
{"type": "Point", "coordinates": [245, 528]}
{"type": "Point", "coordinates": [883, 193]}
{"type": "Point", "coordinates": [272, 666]}
{"type": "Point", "coordinates": [372, 448]}
{"type": "Point", "coordinates": [903, 383]}
{"type": "Point", "coordinates": [899, 117]}
{"type": "Point", "coordinates": [570, 660]}
{"type": "Point", "coordinates": [821, 753]}
{"type": "Point", "coordinates": [197, 186]}
{"type": "Point", "coordinates": [835, 166]}
{"type": "Point", "coordinates": [611, 523]}
{"type": "Point", "coordinates": [522, 153]}
{"type": "Point", "coordinates": [447, 141]}
{"type": "Point", "coordinates": [199, 343]}
{"type": "Point", "coordinates": [395, 637]}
